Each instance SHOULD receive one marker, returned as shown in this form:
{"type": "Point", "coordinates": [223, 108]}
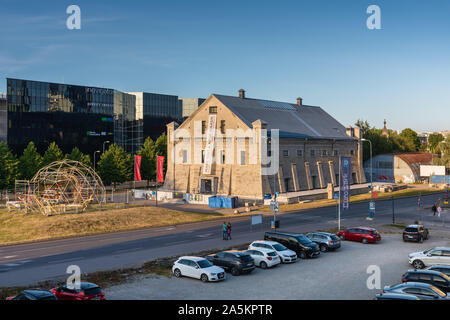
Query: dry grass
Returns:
{"type": "Point", "coordinates": [20, 227]}
{"type": "Point", "coordinates": [356, 198]}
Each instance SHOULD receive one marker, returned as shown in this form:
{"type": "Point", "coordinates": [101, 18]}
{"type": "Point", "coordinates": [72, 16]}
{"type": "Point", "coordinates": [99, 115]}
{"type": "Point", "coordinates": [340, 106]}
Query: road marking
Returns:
{"type": "Point", "coordinates": [9, 257]}
{"type": "Point", "coordinates": [66, 260]}
{"type": "Point", "coordinates": [204, 235]}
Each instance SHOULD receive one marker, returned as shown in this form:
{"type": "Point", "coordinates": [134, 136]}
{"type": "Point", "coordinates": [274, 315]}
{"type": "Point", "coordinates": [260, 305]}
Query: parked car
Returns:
{"type": "Point", "coordinates": [326, 241]}
{"type": "Point", "coordinates": [440, 268]}
{"type": "Point", "coordinates": [415, 232]}
{"type": "Point", "coordinates": [436, 278]}
{"type": "Point", "coordinates": [396, 296]}
{"type": "Point", "coordinates": [197, 268]}
{"type": "Point", "coordinates": [87, 291]}
{"type": "Point", "coordinates": [33, 295]}
{"type": "Point", "coordinates": [264, 258]}
{"type": "Point", "coordinates": [299, 243]}
{"type": "Point", "coordinates": [286, 255]}
{"type": "Point", "coordinates": [435, 256]}
{"type": "Point", "coordinates": [424, 291]}
{"type": "Point", "coordinates": [361, 234]}
{"type": "Point", "coordinates": [237, 262]}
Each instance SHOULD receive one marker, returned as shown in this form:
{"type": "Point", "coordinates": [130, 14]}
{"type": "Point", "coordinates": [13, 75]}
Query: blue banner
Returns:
{"type": "Point", "coordinates": [344, 183]}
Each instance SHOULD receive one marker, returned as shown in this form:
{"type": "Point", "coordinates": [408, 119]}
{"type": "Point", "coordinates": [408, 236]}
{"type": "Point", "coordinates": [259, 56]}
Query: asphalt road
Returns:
{"type": "Point", "coordinates": [337, 275]}
{"type": "Point", "coordinates": [29, 263]}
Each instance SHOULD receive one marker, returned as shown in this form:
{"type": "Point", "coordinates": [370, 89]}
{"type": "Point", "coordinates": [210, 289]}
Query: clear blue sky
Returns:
{"type": "Point", "coordinates": [319, 50]}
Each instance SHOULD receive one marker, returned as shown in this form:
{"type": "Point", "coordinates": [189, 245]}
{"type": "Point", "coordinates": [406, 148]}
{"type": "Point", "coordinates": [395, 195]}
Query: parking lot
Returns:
{"type": "Point", "coordinates": [333, 275]}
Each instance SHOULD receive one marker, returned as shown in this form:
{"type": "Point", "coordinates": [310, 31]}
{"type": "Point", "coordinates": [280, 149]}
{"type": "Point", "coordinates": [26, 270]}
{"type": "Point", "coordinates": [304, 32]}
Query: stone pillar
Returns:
{"type": "Point", "coordinates": [281, 181]}
{"type": "Point", "coordinates": [308, 176]}
{"type": "Point", "coordinates": [332, 173]}
{"type": "Point", "coordinates": [294, 174]}
{"type": "Point", "coordinates": [321, 178]}
{"type": "Point", "coordinates": [330, 191]}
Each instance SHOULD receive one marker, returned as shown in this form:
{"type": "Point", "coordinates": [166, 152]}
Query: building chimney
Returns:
{"type": "Point", "coordinates": [299, 102]}
{"type": "Point", "coordinates": [242, 93]}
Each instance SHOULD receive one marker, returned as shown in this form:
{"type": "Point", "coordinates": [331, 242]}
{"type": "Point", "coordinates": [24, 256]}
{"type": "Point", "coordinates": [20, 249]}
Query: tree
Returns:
{"type": "Point", "coordinates": [444, 160]}
{"type": "Point", "coordinates": [363, 124]}
{"type": "Point", "coordinates": [115, 166]}
{"type": "Point", "coordinates": [433, 142]}
{"type": "Point", "coordinates": [161, 149]}
{"type": "Point", "coordinates": [29, 162]}
{"type": "Point", "coordinates": [411, 136]}
{"type": "Point", "coordinates": [401, 143]}
{"type": "Point", "coordinates": [77, 155]}
{"type": "Point", "coordinates": [148, 161]}
{"type": "Point", "coordinates": [8, 167]}
{"type": "Point", "coordinates": [52, 154]}
{"type": "Point", "coordinates": [380, 143]}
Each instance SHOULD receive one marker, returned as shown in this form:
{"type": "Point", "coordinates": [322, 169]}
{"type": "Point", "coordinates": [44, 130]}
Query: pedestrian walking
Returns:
{"type": "Point", "coordinates": [434, 209]}
{"type": "Point", "coordinates": [225, 231]}
{"type": "Point", "coordinates": [439, 210]}
{"type": "Point", "coordinates": [229, 231]}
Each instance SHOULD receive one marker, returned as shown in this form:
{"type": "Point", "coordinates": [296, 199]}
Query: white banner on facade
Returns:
{"type": "Point", "coordinates": [428, 171]}
{"type": "Point", "coordinates": [210, 142]}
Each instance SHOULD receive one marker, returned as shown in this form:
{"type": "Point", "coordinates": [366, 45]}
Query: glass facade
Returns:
{"type": "Point", "coordinates": [189, 105]}
{"type": "Point", "coordinates": [3, 119]}
{"type": "Point", "coordinates": [69, 115]}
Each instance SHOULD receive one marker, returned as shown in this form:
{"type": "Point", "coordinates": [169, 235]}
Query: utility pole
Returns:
{"type": "Point", "coordinates": [393, 210]}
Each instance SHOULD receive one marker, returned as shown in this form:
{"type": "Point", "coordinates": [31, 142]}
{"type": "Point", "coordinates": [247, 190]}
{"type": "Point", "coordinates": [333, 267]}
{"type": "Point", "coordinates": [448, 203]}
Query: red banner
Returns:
{"type": "Point", "coordinates": [160, 169]}
{"type": "Point", "coordinates": [137, 168]}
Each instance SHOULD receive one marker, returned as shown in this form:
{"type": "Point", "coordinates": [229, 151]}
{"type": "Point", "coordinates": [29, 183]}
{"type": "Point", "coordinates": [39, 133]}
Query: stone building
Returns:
{"type": "Point", "coordinates": [234, 145]}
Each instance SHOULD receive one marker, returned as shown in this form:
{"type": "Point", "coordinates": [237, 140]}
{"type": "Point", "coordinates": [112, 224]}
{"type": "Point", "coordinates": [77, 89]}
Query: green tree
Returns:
{"type": "Point", "coordinates": [161, 149]}
{"type": "Point", "coordinates": [115, 166]}
{"type": "Point", "coordinates": [148, 162]}
{"type": "Point", "coordinates": [8, 167]}
{"type": "Point", "coordinates": [400, 143]}
{"type": "Point", "coordinates": [363, 124]}
{"type": "Point", "coordinates": [411, 136]}
{"type": "Point", "coordinates": [444, 160]}
{"type": "Point", "coordinates": [77, 155]}
{"type": "Point", "coordinates": [29, 162]}
{"type": "Point", "coordinates": [52, 154]}
{"type": "Point", "coordinates": [433, 142]}
{"type": "Point", "coordinates": [380, 143]}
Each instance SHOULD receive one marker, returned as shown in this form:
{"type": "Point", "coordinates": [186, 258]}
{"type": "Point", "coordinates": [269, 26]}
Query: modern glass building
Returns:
{"type": "Point", "coordinates": [3, 119]}
{"type": "Point", "coordinates": [156, 111]}
{"type": "Point", "coordinates": [70, 115]}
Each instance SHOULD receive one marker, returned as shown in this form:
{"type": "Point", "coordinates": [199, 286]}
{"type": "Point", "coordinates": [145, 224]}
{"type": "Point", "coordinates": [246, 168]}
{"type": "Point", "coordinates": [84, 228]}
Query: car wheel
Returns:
{"type": "Point", "coordinates": [302, 255]}
{"type": "Point", "coordinates": [204, 278]}
{"type": "Point", "coordinates": [323, 248]}
{"type": "Point", "coordinates": [263, 265]}
{"type": "Point", "coordinates": [365, 241]}
{"type": "Point", "coordinates": [177, 273]}
{"type": "Point", "coordinates": [418, 264]}
{"type": "Point", "coordinates": [234, 271]}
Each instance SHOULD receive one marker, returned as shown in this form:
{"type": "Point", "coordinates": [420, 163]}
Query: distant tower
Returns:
{"type": "Point", "coordinates": [385, 131]}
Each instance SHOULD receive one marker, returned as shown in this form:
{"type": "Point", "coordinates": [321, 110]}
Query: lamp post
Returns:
{"type": "Point", "coordinates": [104, 145]}
{"type": "Point", "coordinates": [98, 151]}
{"type": "Point", "coordinates": [371, 168]}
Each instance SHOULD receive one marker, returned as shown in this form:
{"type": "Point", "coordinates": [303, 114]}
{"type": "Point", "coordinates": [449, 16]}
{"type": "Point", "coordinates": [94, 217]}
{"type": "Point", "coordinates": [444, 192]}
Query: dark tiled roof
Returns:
{"type": "Point", "coordinates": [292, 120]}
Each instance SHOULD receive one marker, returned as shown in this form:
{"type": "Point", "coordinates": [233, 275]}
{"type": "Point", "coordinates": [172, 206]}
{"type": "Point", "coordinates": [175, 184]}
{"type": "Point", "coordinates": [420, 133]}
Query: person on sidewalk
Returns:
{"type": "Point", "coordinates": [229, 231]}
{"type": "Point", "coordinates": [439, 210]}
{"type": "Point", "coordinates": [225, 231]}
{"type": "Point", "coordinates": [434, 209]}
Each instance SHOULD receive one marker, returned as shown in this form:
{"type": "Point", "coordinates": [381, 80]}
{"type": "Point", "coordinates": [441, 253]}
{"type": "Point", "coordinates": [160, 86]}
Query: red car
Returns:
{"type": "Point", "coordinates": [361, 234]}
{"type": "Point", "coordinates": [87, 291]}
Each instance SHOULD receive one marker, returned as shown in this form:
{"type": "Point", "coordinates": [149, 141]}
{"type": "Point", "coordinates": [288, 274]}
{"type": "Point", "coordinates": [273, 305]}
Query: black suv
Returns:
{"type": "Point", "coordinates": [435, 278]}
{"type": "Point", "coordinates": [415, 232]}
{"type": "Point", "coordinates": [299, 243]}
{"type": "Point", "coordinates": [237, 262]}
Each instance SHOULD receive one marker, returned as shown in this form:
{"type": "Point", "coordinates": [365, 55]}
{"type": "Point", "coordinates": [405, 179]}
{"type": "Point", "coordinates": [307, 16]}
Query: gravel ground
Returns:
{"type": "Point", "coordinates": [333, 275]}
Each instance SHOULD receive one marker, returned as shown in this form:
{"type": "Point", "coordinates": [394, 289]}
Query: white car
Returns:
{"type": "Point", "coordinates": [284, 253]}
{"type": "Point", "coordinates": [435, 256]}
{"type": "Point", "coordinates": [198, 268]}
{"type": "Point", "coordinates": [264, 258]}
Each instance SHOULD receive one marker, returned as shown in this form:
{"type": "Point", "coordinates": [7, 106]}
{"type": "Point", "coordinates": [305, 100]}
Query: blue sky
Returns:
{"type": "Point", "coordinates": [319, 50]}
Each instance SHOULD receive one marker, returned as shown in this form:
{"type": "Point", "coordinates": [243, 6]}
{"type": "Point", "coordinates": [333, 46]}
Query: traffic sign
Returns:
{"type": "Point", "coordinates": [372, 206]}
{"type": "Point", "coordinates": [336, 196]}
{"type": "Point", "coordinates": [274, 206]}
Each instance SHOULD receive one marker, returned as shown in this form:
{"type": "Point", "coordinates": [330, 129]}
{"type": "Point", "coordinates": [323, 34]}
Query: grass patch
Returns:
{"type": "Point", "coordinates": [396, 225]}
{"type": "Point", "coordinates": [21, 227]}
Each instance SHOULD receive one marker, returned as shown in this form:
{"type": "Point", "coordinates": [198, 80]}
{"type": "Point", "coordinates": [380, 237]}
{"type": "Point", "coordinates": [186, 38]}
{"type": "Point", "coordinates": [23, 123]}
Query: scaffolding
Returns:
{"type": "Point", "coordinates": [65, 186]}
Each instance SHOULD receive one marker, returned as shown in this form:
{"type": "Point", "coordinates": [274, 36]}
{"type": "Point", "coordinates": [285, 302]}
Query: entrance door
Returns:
{"type": "Point", "coordinates": [206, 186]}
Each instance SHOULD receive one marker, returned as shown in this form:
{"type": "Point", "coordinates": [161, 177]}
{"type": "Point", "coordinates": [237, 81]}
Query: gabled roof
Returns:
{"type": "Point", "coordinates": [292, 120]}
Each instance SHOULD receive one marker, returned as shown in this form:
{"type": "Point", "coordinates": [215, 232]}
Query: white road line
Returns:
{"type": "Point", "coordinates": [9, 257]}
{"type": "Point", "coordinates": [204, 235]}
{"type": "Point", "coordinates": [66, 260]}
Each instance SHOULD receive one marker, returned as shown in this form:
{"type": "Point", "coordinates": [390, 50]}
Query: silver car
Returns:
{"type": "Point", "coordinates": [435, 256]}
{"type": "Point", "coordinates": [326, 241]}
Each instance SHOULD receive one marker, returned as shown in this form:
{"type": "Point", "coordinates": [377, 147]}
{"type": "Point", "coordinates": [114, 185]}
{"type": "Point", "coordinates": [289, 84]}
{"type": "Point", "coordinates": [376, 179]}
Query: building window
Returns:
{"type": "Point", "coordinates": [222, 156]}
{"type": "Point", "coordinates": [324, 153]}
{"type": "Point", "coordinates": [352, 152]}
{"type": "Point", "coordinates": [184, 156]}
{"type": "Point", "coordinates": [299, 153]}
{"type": "Point", "coordinates": [203, 156]}
{"type": "Point", "coordinates": [242, 157]}
{"type": "Point", "coordinates": [313, 153]}
{"type": "Point", "coordinates": [336, 152]}
{"type": "Point", "coordinates": [212, 110]}
{"type": "Point", "coordinates": [222, 126]}
{"type": "Point", "coordinates": [203, 127]}
{"type": "Point", "coordinates": [285, 153]}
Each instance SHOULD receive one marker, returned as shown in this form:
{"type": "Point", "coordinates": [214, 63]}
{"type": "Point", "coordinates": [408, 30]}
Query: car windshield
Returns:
{"type": "Point", "coordinates": [411, 229]}
{"type": "Point", "coordinates": [303, 239]}
{"type": "Point", "coordinates": [426, 251]}
{"type": "Point", "coordinates": [204, 264]}
{"type": "Point", "coordinates": [279, 247]}
{"type": "Point", "coordinates": [439, 292]}
{"type": "Point", "coordinates": [272, 254]}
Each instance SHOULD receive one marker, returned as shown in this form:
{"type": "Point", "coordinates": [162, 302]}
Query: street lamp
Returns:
{"type": "Point", "coordinates": [371, 168]}
{"type": "Point", "coordinates": [98, 151]}
{"type": "Point", "coordinates": [104, 145]}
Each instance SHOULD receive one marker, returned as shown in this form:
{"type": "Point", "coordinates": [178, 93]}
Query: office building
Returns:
{"type": "Point", "coordinates": [189, 105]}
